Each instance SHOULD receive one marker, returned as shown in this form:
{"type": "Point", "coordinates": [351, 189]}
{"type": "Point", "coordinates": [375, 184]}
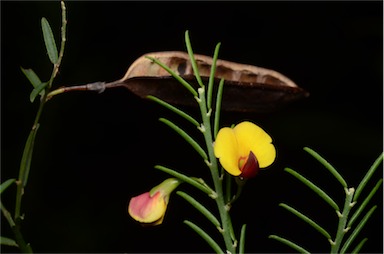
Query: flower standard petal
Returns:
{"type": "Point", "coordinates": [226, 149]}
{"type": "Point", "coordinates": [265, 153]}
{"type": "Point", "coordinates": [251, 137]}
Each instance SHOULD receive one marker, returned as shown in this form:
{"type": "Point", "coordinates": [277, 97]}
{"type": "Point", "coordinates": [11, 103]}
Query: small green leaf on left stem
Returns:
{"type": "Point", "coordinates": [49, 40]}
{"type": "Point", "coordinates": [6, 184]}
{"type": "Point", "coordinates": [8, 241]}
{"type": "Point", "coordinates": [31, 76]}
{"type": "Point", "coordinates": [37, 91]}
{"type": "Point", "coordinates": [27, 157]}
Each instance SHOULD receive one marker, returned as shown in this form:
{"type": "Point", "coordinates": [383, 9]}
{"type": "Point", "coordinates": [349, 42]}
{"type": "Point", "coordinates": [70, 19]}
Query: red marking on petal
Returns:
{"type": "Point", "coordinates": [251, 167]}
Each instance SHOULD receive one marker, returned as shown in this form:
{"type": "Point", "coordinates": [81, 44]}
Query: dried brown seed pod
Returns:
{"type": "Point", "coordinates": [246, 87]}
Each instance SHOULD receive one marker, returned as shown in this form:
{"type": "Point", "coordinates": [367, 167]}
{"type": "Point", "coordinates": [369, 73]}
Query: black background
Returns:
{"type": "Point", "coordinates": [95, 151]}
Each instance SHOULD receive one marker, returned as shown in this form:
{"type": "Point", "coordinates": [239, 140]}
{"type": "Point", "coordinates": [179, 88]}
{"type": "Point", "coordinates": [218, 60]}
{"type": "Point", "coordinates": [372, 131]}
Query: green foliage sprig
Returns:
{"type": "Point", "coordinates": [42, 89]}
{"type": "Point", "coordinates": [203, 96]}
{"type": "Point", "coordinates": [352, 204]}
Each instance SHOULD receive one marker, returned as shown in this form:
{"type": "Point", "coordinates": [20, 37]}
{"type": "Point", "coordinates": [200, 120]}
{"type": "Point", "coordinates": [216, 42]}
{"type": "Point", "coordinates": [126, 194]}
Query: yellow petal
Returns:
{"type": "Point", "coordinates": [266, 154]}
{"type": "Point", "coordinates": [251, 137]}
{"type": "Point", "coordinates": [226, 149]}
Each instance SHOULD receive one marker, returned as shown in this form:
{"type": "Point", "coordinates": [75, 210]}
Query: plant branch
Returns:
{"type": "Point", "coordinates": [28, 149]}
{"type": "Point", "coordinates": [343, 218]}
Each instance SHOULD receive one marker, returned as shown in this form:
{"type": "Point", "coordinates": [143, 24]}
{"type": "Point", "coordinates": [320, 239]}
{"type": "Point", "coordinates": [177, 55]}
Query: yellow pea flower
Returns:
{"type": "Point", "coordinates": [149, 208]}
{"type": "Point", "coordinates": [244, 149]}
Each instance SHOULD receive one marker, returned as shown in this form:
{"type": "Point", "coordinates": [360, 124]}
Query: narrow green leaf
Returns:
{"type": "Point", "coordinates": [231, 231]}
{"type": "Point", "coordinates": [31, 76]}
{"type": "Point", "coordinates": [313, 187]}
{"type": "Point", "coordinates": [49, 41]}
{"type": "Point", "coordinates": [218, 108]}
{"type": "Point", "coordinates": [307, 220]}
{"type": "Point", "coordinates": [200, 208]}
{"type": "Point", "coordinates": [327, 165]}
{"type": "Point", "coordinates": [186, 179]}
{"type": "Point", "coordinates": [37, 91]}
{"type": "Point", "coordinates": [192, 58]}
{"type": "Point", "coordinates": [242, 239]}
{"type": "Point", "coordinates": [7, 215]}
{"type": "Point", "coordinates": [364, 203]}
{"type": "Point", "coordinates": [8, 241]}
{"type": "Point", "coordinates": [188, 138]}
{"type": "Point", "coordinates": [26, 159]}
{"type": "Point", "coordinates": [174, 109]}
{"type": "Point", "coordinates": [212, 76]}
{"type": "Point", "coordinates": [175, 75]}
{"type": "Point", "coordinates": [357, 230]}
{"type": "Point", "coordinates": [289, 243]}
{"type": "Point", "coordinates": [367, 176]}
{"type": "Point", "coordinates": [359, 246]}
{"type": "Point", "coordinates": [205, 236]}
{"type": "Point", "coordinates": [6, 184]}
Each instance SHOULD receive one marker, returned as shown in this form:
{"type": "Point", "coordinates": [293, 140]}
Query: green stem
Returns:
{"type": "Point", "coordinates": [213, 166]}
{"type": "Point", "coordinates": [23, 178]}
{"type": "Point", "coordinates": [357, 230]}
{"type": "Point", "coordinates": [343, 217]}
{"type": "Point", "coordinates": [24, 247]}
